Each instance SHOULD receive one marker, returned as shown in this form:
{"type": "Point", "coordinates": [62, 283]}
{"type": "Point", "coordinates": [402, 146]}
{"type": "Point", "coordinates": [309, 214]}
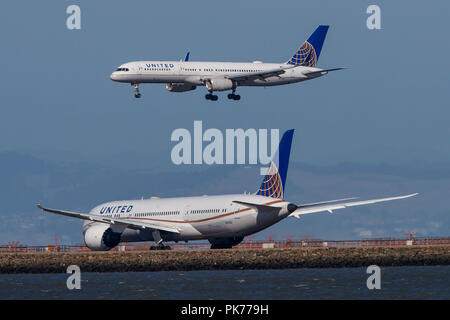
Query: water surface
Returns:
{"type": "Point", "coordinates": [345, 283]}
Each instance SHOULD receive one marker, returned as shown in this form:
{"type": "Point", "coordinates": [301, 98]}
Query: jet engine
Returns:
{"type": "Point", "coordinates": [224, 243]}
{"type": "Point", "coordinates": [220, 84]}
{"type": "Point", "coordinates": [100, 237]}
{"type": "Point", "coordinates": [179, 87]}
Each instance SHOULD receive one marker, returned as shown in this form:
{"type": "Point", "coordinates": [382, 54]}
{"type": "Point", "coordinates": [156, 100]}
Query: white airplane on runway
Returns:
{"type": "Point", "coordinates": [224, 219]}
{"type": "Point", "coordinates": [181, 76]}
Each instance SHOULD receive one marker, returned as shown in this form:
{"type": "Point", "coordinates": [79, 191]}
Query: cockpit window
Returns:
{"type": "Point", "coordinates": [123, 69]}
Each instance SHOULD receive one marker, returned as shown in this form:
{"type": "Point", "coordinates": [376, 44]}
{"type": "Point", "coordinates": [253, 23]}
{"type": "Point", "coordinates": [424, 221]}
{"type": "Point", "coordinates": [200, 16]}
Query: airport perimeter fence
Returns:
{"type": "Point", "coordinates": [248, 244]}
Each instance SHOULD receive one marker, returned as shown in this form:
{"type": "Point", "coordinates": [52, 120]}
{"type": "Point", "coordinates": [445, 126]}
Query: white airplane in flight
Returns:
{"type": "Point", "coordinates": [181, 76]}
{"type": "Point", "coordinates": [224, 219]}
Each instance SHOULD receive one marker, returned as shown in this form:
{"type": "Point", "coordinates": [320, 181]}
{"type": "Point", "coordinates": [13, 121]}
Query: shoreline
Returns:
{"type": "Point", "coordinates": [225, 259]}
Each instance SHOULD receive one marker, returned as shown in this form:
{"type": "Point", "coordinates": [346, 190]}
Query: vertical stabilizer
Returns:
{"type": "Point", "coordinates": [309, 52]}
{"type": "Point", "coordinates": [274, 182]}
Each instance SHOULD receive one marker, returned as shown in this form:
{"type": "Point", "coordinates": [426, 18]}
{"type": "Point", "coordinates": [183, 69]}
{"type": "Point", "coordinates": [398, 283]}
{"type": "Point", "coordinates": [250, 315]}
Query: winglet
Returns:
{"type": "Point", "coordinates": [187, 56]}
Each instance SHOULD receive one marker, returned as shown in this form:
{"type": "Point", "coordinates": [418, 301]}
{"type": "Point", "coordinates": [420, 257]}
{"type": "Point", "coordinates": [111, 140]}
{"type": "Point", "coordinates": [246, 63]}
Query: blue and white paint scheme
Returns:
{"type": "Point", "coordinates": [223, 219]}
{"type": "Point", "coordinates": [186, 75]}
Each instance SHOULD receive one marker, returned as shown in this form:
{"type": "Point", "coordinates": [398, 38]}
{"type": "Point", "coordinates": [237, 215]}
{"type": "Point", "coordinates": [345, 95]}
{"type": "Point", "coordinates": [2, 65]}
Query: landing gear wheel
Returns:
{"type": "Point", "coordinates": [233, 96]}
{"type": "Point", "coordinates": [211, 97]}
{"type": "Point", "coordinates": [160, 247]}
{"type": "Point", "coordinates": [137, 95]}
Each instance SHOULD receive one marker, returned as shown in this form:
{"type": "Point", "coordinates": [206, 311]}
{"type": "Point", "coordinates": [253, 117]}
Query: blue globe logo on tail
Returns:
{"type": "Point", "coordinates": [275, 180]}
{"type": "Point", "coordinates": [272, 185]}
{"type": "Point", "coordinates": [309, 52]}
{"type": "Point", "coordinates": [305, 56]}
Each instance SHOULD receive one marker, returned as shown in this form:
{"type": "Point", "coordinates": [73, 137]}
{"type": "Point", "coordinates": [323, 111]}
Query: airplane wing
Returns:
{"type": "Point", "coordinates": [325, 206]}
{"type": "Point", "coordinates": [133, 224]}
{"type": "Point", "coordinates": [275, 72]}
{"type": "Point", "coordinates": [258, 75]}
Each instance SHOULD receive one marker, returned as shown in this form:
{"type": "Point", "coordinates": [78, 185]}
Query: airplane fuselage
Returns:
{"type": "Point", "coordinates": [196, 218]}
{"type": "Point", "coordinates": [195, 73]}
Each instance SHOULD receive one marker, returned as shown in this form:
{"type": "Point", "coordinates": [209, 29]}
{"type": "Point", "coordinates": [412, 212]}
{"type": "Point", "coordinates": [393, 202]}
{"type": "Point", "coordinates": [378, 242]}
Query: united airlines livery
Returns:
{"type": "Point", "coordinates": [181, 76]}
{"type": "Point", "coordinates": [223, 219]}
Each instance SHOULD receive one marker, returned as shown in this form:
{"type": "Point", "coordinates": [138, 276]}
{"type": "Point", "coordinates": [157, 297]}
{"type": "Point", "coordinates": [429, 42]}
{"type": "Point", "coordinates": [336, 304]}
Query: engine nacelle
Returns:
{"type": "Point", "coordinates": [100, 237]}
{"type": "Point", "coordinates": [224, 243]}
{"type": "Point", "coordinates": [220, 84]}
{"type": "Point", "coordinates": [180, 87]}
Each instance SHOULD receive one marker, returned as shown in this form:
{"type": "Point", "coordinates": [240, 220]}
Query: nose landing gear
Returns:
{"type": "Point", "coordinates": [137, 94]}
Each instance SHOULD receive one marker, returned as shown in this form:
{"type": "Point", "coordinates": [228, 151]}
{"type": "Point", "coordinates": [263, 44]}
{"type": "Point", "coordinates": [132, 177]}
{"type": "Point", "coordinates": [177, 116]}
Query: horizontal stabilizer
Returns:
{"type": "Point", "coordinates": [257, 207]}
{"type": "Point", "coordinates": [321, 72]}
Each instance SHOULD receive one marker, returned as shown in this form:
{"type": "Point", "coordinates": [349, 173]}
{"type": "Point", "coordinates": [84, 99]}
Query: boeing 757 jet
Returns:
{"type": "Point", "coordinates": [223, 219]}
{"type": "Point", "coordinates": [181, 76]}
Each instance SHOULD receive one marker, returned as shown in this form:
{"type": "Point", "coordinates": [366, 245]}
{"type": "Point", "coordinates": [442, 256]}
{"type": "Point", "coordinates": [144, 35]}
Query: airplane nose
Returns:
{"type": "Point", "coordinates": [113, 76]}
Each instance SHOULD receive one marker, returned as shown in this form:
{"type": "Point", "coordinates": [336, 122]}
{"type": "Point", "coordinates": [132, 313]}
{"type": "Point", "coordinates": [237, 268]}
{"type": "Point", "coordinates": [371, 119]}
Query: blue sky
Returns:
{"type": "Point", "coordinates": [389, 107]}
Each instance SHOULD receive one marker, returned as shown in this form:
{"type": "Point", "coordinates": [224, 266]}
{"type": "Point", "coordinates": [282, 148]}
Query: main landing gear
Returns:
{"type": "Point", "coordinates": [211, 97]}
{"type": "Point", "coordinates": [159, 242]}
{"type": "Point", "coordinates": [160, 247]}
{"type": "Point", "coordinates": [137, 94]}
{"type": "Point", "coordinates": [233, 96]}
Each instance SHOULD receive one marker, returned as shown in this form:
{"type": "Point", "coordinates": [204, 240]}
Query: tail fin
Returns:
{"type": "Point", "coordinates": [275, 180]}
{"type": "Point", "coordinates": [309, 52]}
